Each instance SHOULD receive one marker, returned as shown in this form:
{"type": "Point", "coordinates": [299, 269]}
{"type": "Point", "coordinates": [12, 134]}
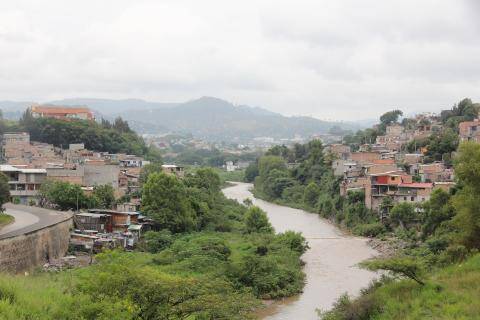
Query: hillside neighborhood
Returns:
{"type": "Point", "coordinates": [30, 164]}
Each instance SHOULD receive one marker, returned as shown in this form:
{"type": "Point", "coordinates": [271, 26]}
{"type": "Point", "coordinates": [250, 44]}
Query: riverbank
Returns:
{"type": "Point", "coordinates": [385, 246]}
{"type": "Point", "coordinates": [330, 263]}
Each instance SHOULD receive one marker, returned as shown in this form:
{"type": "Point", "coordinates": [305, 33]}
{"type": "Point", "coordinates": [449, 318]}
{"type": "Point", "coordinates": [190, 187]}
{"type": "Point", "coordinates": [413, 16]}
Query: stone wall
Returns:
{"type": "Point", "coordinates": [25, 252]}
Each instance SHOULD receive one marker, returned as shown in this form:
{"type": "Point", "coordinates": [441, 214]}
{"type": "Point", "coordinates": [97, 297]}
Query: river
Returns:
{"type": "Point", "coordinates": [330, 262]}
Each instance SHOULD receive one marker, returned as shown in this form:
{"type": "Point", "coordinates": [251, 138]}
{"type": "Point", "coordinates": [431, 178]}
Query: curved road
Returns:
{"type": "Point", "coordinates": [28, 219]}
{"type": "Point", "coordinates": [330, 263]}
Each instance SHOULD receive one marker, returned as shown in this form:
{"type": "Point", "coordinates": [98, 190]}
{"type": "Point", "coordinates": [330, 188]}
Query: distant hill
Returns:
{"type": "Point", "coordinates": [207, 118]}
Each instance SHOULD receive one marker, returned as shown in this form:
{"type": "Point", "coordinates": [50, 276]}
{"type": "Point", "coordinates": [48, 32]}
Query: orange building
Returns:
{"type": "Point", "coordinates": [60, 112]}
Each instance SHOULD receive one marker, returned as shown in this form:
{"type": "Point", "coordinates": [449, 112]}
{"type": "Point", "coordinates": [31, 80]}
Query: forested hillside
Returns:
{"type": "Point", "coordinates": [112, 137]}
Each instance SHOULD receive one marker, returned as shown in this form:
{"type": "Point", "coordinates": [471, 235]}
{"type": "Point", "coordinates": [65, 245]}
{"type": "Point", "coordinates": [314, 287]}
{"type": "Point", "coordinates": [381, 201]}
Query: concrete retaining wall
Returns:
{"type": "Point", "coordinates": [25, 252]}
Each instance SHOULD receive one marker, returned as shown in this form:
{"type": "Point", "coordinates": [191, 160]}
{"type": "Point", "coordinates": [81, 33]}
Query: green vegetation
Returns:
{"type": "Point", "coordinates": [4, 191]}
{"type": "Point", "coordinates": [68, 196]}
{"type": "Point", "coordinates": [309, 184]}
{"type": "Point", "coordinates": [369, 135]}
{"type": "Point", "coordinates": [212, 259]}
{"type": "Point", "coordinates": [189, 155]}
{"type": "Point", "coordinates": [116, 137]}
{"type": "Point", "coordinates": [448, 294]}
{"type": "Point", "coordinates": [443, 238]}
{"type": "Point", "coordinates": [5, 219]}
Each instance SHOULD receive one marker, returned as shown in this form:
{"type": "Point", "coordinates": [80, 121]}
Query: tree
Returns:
{"type": "Point", "coordinates": [148, 169]}
{"type": "Point", "coordinates": [206, 179]}
{"type": "Point", "coordinates": [4, 191]}
{"type": "Point", "coordinates": [311, 194]}
{"type": "Point", "coordinates": [436, 211]}
{"type": "Point", "coordinates": [251, 172]}
{"type": "Point", "coordinates": [466, 201]}
{"type": "Point", "coordinates": [64, 195]}
{"type": "Point", "coordinates": [390, 117]}
{"type": "Point", "coordinates": [403, 266]}
{"type": "Point", "coordinates": [402, 214]}
{"type": "Point", "coordinates": [164, 199]}
{"type": "Point", "coordinates": [121, 126]}
{"type": "Point", "coordinates": [256, 220]}
{"type": "Point", "coordinates": [158, 241]}
{"type": "Point", "coordinates": [275, 182]}
{"type": "Point", "coordinates": [104, 196]}
{"type": "Point", "coordinates": [269, 163]}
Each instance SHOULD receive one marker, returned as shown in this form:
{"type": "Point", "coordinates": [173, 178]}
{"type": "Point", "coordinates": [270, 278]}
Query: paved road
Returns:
{"type": "Point", "coordinates": [28, 219]}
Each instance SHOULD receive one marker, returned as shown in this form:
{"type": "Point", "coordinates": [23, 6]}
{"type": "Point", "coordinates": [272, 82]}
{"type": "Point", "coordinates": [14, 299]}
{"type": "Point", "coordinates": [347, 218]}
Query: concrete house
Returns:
{"type": "Point", "coordinates": [24, 183]}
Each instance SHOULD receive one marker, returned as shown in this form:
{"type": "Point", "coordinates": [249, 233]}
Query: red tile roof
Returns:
{"type": "Point", "coordinates": [60, 110]}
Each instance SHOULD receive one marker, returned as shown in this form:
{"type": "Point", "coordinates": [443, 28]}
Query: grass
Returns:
{"type": "Point", "coordinates": [5, 219]}
{"type": "Point", "coordinates": [451, 293]}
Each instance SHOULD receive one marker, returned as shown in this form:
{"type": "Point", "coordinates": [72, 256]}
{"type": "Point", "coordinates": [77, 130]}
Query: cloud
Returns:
{"type": "Point", "coordinates": [331, 59]}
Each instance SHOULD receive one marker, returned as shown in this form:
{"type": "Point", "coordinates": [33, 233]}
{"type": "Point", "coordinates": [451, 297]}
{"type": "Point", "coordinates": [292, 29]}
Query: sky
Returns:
{"type": "Point", "coordinates": [334, 60]}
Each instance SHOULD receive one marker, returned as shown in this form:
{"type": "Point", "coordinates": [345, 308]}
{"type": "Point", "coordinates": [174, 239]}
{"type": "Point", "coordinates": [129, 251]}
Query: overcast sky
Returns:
{"type": "Point", "coordinates": [329, 59]}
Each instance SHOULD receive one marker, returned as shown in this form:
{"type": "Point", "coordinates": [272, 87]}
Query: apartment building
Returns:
{"type": "Point", "coordinates": [24, 183]}
{"type": "Point", "coordinates": [397, 185]}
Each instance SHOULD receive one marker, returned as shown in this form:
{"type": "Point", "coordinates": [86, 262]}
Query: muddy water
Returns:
{"type": "Point", "coordinates": [330, 263]}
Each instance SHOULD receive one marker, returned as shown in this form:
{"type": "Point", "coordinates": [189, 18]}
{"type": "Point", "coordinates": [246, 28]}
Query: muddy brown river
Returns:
{"type": "Point", "coordinates": [330, 263]}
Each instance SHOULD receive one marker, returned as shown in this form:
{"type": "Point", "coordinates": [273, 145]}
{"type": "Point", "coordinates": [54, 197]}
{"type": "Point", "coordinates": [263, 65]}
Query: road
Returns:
{"type": "Point", "coordinates": [28, 219]}
{"type": "Point", "coordinates": [331, 262]}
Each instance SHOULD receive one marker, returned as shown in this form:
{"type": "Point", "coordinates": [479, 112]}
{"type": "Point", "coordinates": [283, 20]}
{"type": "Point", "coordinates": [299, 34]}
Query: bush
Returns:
{"type": "Point", "coordinates": [370, 229]}
{"type": "Point", "coordinates": [256, 220]}
{"type": "Point", "coordinates": [158, 241]}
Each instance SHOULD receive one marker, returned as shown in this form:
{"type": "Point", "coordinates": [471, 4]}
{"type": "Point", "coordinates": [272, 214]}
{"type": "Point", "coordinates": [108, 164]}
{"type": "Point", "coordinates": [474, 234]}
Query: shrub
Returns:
{"type": "Point", "coordinates": [370, 229]}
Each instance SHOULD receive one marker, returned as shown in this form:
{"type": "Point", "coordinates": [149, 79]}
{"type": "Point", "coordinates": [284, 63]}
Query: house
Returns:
{"type": "Point", "coordinates": [73, 175]}
{"type": "Point", "coordinates": [101, 223]}
{"type": "Point", "coordinates": [365, 157]}
{"type": "Point", "coordinates": [432, 172]}
{"type": "Point", "coordinates": [133, 161]}
{"type": "Point", "coordinates": [346, 168]}
{"type": "Point", "coordinates": [24, 183]}
{"type": "Point", "coordinates": [396, 185]}
{"type": "Point", "coordinates": [120, 220]}
{"type": "Point", "coordinates": [98, 173]}
{"type": "Point", "coordinates": [340, 151]}
{"type": "Point", "coordinates": [394, 130]}
{"type": "Point", "coordinates": [173, 169]}
{"type": "Point", "coordinates": [469, 130]}
{"type": "Point", "coordinates": [230, 166]}
{"type": "Point", "coordinates": [61, 112]}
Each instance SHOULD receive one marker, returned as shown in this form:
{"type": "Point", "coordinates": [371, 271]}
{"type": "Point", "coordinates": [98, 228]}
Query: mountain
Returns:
{"type": "Point", "coordinates": [13, 110]}
{"type": "Point", "coordinates": [108, 106]}
{"type": "Point", "coordinates": [216, 120]}
{"type": "Point", "coordinates": [208, 118]}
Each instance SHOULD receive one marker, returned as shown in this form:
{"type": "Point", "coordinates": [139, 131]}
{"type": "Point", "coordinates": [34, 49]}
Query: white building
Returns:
{"type": "Point", "coordinates": [24, 183]}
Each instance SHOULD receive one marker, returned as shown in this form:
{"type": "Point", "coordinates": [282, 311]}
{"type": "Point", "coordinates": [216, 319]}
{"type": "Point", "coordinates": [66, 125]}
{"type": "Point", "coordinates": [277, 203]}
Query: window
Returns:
{"type": "Point", "coordinates": [412, 198]}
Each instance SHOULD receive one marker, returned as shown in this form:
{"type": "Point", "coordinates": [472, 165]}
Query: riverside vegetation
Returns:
{"type": "Point", "coordinates": [435, 274]}
{"type": "Point", "coordinates": [212, 258]}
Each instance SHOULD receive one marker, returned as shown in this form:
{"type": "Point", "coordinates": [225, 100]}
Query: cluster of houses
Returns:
{"type": "Point", "coordinates": [29, 164]}
{"type": "Point", "coordinates": [384, 169]}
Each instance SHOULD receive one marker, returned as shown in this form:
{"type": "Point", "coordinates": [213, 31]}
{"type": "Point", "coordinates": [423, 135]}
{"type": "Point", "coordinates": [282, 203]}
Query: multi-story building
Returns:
{"type": "Point", "coordinates": [469, 130]}
{"type": "Point", "coordinates": [398, 186]}
{"type": "Point", "coordinates": [61, 112]}
{"type": "Point", "coordinates": [24, 183]}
